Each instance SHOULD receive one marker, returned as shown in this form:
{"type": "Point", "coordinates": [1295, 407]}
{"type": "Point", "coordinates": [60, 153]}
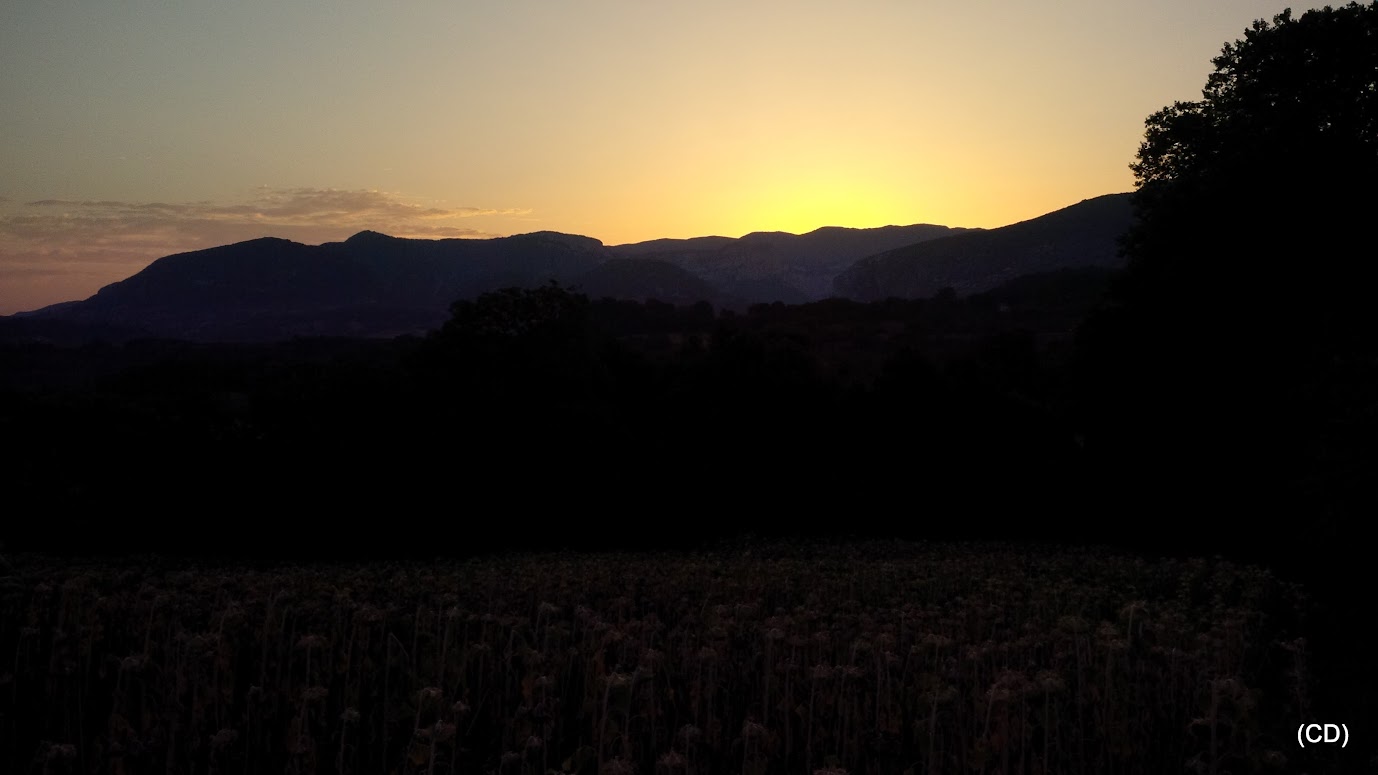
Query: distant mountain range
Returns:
{"type": "Point", "coordinates": [776, 266]}
{"type": "Point", "coordinates": [373, 285]}
{"type": "Point", "coordinates": [1083, 235]}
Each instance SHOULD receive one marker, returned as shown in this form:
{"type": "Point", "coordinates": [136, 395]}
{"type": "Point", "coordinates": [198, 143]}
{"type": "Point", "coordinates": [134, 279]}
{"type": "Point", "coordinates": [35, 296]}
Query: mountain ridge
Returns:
{"type": "Point", "coordinates": [1084, 234]}
{"type": "Point", "coordinates": [373, 284]}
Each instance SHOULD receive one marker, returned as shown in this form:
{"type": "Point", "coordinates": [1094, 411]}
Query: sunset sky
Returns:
{"type": "Point", "coordinates": [138, 129]}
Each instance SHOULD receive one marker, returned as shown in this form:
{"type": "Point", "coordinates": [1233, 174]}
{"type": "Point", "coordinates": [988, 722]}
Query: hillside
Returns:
{"type": "Point", "coordinates": [369, 285]}
{"type": "Point", "coordinates": [1082, 235]}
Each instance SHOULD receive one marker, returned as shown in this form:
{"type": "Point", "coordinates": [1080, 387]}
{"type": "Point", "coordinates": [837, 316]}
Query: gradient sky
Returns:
{"type": "Point", "coordinates": [132, 130]}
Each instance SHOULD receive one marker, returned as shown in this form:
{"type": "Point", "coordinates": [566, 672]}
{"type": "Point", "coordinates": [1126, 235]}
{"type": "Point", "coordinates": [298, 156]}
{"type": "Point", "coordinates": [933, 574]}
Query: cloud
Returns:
{"type": "Point", "coordinates": [332, 209]}
{"type": "Point", "coordinates": [93, 242]}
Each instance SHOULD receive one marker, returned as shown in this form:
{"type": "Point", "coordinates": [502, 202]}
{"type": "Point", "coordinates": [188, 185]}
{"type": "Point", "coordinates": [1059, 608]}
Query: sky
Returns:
{"type": "Point", "coordinates": [139, 129]}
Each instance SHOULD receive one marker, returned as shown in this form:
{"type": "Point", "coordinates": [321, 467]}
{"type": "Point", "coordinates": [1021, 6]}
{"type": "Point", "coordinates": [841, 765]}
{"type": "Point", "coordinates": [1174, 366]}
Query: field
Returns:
{"type": "Point", "coordinates": [877, 657]}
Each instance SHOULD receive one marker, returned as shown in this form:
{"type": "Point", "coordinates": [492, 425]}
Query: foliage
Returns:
{"type": "Point", "coordinates": [1258, 194]}
{"type": "Point", "coordinates": [1298, 86]}
{"type": "Point", "coordinates": [548, 312]}
{"type": "Point", "coordinates": [517, 345]}
{"type": "Point", "coordinates": [1242, 342]}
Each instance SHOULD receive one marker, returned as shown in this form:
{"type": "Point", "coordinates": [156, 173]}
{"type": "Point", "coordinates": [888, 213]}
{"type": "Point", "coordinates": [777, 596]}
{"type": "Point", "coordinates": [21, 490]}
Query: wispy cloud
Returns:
{"type": "Point", "coordinates": [319, 215]}
{"type": "Point", "coordinates": [54, 244]}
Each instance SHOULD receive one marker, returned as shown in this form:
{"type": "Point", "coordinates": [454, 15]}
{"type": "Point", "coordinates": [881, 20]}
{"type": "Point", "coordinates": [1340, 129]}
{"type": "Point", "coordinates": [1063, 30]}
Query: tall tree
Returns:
{"type": "Point", "coordinates": [1238, 353]}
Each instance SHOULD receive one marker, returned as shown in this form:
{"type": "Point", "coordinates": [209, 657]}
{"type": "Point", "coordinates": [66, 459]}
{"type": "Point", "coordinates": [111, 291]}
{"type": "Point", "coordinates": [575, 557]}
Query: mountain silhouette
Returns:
{"type": "Point", "coordinates": [778, 266]}
{"type": "Point", "coordinates": [1083, 235]}
{"type": "Point", "coordinates": [369, 285]}
{"type": "Point", "coordinates": [373, 285]}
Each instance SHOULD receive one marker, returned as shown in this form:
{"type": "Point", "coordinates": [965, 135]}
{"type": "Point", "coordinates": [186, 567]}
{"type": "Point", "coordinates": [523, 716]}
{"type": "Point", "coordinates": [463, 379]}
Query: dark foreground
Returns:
{"type": "Point", "coordinates": [538, 421]}
{"type": "Point", "coordinates": [873, 657]}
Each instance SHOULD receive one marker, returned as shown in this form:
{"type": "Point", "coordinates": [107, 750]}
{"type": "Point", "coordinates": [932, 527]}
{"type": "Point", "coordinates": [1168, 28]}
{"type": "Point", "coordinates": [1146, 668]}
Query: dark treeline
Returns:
{"type": "Point", "coordinates": [534, 401]}
{"type": "Point", "coordinates": [541, 419]}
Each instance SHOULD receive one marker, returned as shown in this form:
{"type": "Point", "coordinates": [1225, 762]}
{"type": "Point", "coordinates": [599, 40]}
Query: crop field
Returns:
{"type": "Point", "coordinates": [875, 657]}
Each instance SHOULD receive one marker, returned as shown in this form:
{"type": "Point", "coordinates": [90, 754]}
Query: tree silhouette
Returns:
{"type": "Point", "coordinates": [1252, 198]}
{"type": "Point", "coordinates": [1238, 351]}
{"type": "Point", "coordinates": [549, 312]}
{"type": "Point", "coordinates": [513, 369]}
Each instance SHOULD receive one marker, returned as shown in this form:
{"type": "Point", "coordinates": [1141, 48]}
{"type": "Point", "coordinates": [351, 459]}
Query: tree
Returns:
{"type": "Point", "coordinates": [550, 312]}
{"type": "Point", "coordinates": [1267, 182]}
{"type": "Point", "coordinates": [1270, 175]}
{"type": "Point", "coordinates": [516, 345]}
{"type": "Point", "coordinates": [1239, 346]}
